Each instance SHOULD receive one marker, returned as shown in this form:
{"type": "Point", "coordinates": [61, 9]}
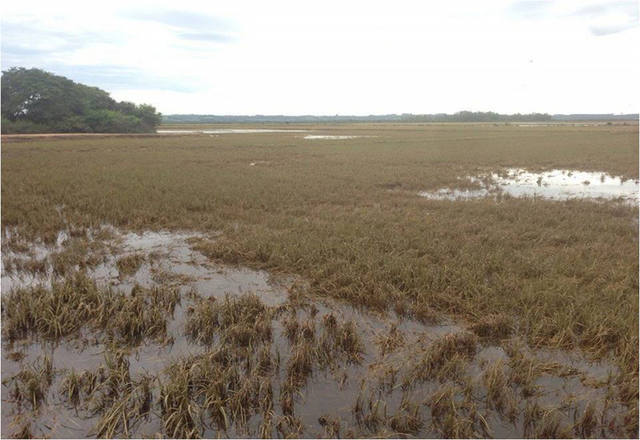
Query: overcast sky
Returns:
{"type": "Point", "coordinates": [343, 57]}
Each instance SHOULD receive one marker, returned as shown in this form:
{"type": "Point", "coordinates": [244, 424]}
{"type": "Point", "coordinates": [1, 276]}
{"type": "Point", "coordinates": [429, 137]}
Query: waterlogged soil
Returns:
{"type": "Point", "coordinates": [391, 376]}
{"type": "Point", "coordinates": [555, 184]}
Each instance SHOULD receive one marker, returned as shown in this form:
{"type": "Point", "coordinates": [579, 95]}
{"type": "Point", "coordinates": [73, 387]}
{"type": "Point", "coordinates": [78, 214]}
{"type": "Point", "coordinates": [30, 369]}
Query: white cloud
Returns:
{"type": "Point", "coordinates": [339, 57]}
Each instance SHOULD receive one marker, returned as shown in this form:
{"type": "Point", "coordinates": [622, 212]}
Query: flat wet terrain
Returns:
{"type": "Point", "coordinates": [266, 285]}
{"type": "Point", "coordinates": [310, 367]}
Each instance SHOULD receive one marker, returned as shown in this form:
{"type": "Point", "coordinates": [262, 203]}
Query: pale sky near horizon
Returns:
{"type": "Point", "coordinates": [338, 57]}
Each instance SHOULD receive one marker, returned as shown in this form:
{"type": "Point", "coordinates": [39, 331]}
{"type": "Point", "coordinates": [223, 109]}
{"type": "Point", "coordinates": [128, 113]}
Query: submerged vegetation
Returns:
{"type": "Point", "coordinates": [493, 317]}
{"type": "Point", "coordinates": [66, 307]}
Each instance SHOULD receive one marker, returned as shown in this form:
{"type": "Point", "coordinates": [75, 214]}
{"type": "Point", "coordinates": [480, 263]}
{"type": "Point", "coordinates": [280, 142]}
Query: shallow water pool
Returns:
{"type": "Point", "coordinates": [556, 184]}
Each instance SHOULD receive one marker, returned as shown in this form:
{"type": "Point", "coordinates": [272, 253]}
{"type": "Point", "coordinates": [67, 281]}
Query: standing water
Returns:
{"type": "Point", "coordinates": [557, 184]}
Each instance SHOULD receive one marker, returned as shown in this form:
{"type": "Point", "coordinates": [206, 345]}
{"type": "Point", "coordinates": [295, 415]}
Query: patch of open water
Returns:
{"type": "Point", "coordinates": [557, 184]}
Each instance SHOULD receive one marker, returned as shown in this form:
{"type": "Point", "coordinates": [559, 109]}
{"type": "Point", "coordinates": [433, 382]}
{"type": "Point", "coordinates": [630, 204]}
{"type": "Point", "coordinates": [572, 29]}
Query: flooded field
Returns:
{"type": "Point", "coordinates": [288, 364]}
{"type": "Point", "coordinates": [554, 185]}
{"type": "Point", "coordinates": [260, 286]}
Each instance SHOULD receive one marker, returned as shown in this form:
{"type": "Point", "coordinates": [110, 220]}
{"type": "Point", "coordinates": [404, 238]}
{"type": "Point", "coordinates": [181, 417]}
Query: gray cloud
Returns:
{"type": "Point", "coordinates": [610, 29]}
{"type": "Point", "coordinates": [181, 19]}
{"type": "Point", "coordinates": [188, 25]}
{"type": "Point", "coordinates": [27, 39]}
{"type": "Point", "coordinates": [596, 11]}
{"type": "Point", "coordinates": [629, 8]}
{"type": "Point", "coordinates": [594, 14]}
{"type": "Point", "coordinates": [17, 51]}
{"type": "Point", "coordinates": [109, 77]}
{"type": "Point", "coordinates": [529, 8]}
{"type": "Point", "coordinates": [25, 44]}
{"type": "Point", "coordinates": [112, 77]}
{"type": "Point", "coordinates": [205, 36]}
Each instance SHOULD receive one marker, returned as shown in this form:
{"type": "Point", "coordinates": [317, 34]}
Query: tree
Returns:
{"type": "Point", "coordinates": [37, 101]}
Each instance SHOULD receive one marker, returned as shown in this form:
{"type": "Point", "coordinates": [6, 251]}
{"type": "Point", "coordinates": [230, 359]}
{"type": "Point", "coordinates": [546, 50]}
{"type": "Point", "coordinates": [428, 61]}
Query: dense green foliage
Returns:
{"type": "Point", "coordinates": [35, 101]}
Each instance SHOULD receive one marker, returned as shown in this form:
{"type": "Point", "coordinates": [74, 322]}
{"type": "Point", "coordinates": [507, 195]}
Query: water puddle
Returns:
{"type": "Point", "coordinates": [455, 194]}
{"type": "Point", "coordinates": [555, 184]}
{"type": "Point", "coordinates": [28, 266]}
{"type": "Point", "coordinates": [159, 257]}
{"type": "Point", "coordinates": [231, 131]}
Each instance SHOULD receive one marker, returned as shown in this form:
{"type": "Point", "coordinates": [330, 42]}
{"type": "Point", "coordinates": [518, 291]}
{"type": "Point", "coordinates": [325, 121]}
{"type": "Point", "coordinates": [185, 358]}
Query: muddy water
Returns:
{"type": "Point", "coordinates": [37, 252]}
{"type": "Point", "coordinates": [168, 257]}
{"type": "Point", "coordinates": [374, 384]}
{"type": "Point", "coordinates": [555, 184]}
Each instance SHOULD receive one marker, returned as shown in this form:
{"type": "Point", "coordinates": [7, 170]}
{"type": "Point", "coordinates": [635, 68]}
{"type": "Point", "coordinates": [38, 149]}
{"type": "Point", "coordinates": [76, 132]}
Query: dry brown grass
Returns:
{"type": "Point", "coordinates": [77, 302]}
{"type": "Point", "coordinates": [493, 326]}
{"type": "Point", "coordinates": [499, 393]}
{"type": "Point", "coordinates": [391, 341]}
{"type": "Point", "coordinates": [242, 321]}
{"type": "Point", "coordinates": [444, 359]}
{"type": "Point", "coordinates": [129, 265]}
{"type": "Point", "coordinates": [321, 210]}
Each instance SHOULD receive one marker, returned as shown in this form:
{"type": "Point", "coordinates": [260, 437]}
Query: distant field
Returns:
{"type": "Point", "coordinates": [538, 281]}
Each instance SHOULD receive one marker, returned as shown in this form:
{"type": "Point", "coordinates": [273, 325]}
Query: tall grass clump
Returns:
{"type": "Point", "coordinates": [243, 320]}
{"type": "Point", "coordinates": [66, 307]}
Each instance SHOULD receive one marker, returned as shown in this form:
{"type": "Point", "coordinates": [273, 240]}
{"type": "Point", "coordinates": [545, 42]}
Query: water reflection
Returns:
{"type": "Point", "coordinates": [557, 184]}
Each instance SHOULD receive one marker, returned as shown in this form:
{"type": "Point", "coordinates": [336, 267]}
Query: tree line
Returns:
{"type": "Point", "coordinates": [463, 116]}
{"type": "Point", "coordinates": [36, 101]}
